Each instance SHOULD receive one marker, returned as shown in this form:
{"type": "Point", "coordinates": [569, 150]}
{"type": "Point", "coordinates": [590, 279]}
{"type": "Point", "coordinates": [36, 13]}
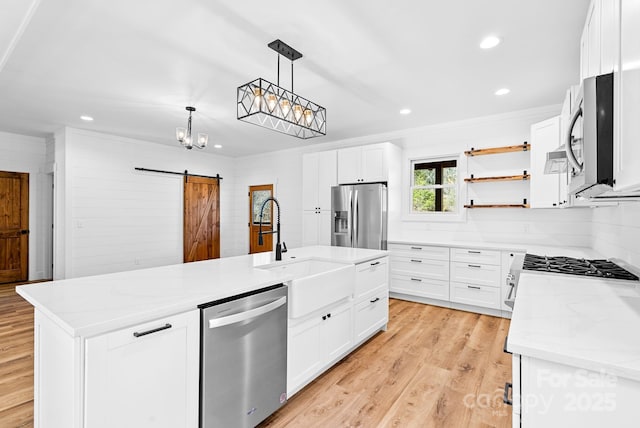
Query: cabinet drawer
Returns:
{"type": "Point", "coordinates": [472, 255]}
{"type": "Point", "coordinates": [476, 273]}
{"type": "Point", "coordinates": [371, 314]}
{"type": "Point", "coordinates": [371, 275]}
{"type": "Point", "coordinates": [477, 295]}
{"type": "Point", "coordinates": [425, 268]}
{"type": "Point", "coordinates": [425, 251]}
{"type": "Point", "coordinates": [420, 286]}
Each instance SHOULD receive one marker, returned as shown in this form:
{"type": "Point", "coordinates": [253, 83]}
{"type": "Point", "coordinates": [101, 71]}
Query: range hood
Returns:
{"type": "Point", "coordinates": [556, 162]}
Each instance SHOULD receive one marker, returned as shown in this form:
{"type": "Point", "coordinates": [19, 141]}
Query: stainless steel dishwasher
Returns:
{"type": "Point", "coordinates": [243, 358]}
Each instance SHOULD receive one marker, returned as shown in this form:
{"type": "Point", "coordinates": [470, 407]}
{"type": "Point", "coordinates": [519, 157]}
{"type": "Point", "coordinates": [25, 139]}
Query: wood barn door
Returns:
{"type": "Point", "coordinates": [201, 218]}
{"type": "Point", "coordinates": [14, 226]}
{"type": "Point", "coordinates": [257, 195]}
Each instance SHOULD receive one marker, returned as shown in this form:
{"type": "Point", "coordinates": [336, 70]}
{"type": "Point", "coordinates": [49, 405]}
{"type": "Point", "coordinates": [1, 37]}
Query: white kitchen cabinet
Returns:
{"type": "Point", "coordinates": [316, 342]}
{"type": "Point", "coordinates": [554, 394]}
{"type": "Point", "coordinates": [116, 378]}
{"type": "Point", "coordinates": [609, 35]}
{"type": "Point", "coordinates": [475, 277]}
{"type": "Point", "coordinates": [472, 294]}
{"type": "Point", "coordinates": [371, 305]}
{"type": "Point", "coordinates": [545, 188]}
{"type": "Point", "coordinates": [627, 100]}
{"type": "Point", "coordinates": [316, 227]}
{"type": "Point", "coordinates": [363, 164]}
{"type": "Point", "coordinates": [420, 270]}
{"type": "Point", "coordinates": [148, 372]}
{"type": "Point", "coordinates": [371, 314]}
{"type": "Point", "coordinates": [319, 174]}
{"type": "Point", "coordinates": [590, 42]}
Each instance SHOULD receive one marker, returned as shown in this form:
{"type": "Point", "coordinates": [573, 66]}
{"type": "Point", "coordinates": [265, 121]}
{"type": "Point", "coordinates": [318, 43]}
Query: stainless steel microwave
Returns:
{"type": "Point", "coordinates": [589, 140]}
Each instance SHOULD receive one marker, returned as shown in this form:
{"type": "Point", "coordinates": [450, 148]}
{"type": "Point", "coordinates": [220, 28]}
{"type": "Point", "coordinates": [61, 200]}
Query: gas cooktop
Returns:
{"type": "Point", "coordinates": [572, 266]}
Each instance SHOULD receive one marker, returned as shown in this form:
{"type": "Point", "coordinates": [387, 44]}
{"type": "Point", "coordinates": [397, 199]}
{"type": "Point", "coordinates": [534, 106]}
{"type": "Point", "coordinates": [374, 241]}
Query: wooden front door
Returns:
{"type": "Point", "coordinates": [257, 195]}
{"type": "Point", "coordinates": [201, 218]}
{"type": "Point", "coordinates": [14, 226]}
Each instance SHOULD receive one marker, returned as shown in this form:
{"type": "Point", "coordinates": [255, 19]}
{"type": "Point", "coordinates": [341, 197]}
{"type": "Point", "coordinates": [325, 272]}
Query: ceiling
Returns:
{"type": "Point", "coordinates": [135, 65]}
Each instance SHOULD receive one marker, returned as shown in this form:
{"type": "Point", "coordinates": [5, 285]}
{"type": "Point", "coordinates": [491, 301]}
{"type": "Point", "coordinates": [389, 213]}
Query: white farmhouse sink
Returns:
{"type": "Point", "coordinates": [315, 284]}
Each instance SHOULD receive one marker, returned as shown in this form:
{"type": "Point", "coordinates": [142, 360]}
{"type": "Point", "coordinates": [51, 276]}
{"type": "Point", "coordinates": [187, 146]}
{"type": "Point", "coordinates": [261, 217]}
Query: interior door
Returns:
{"type": "Point", "coordinates": [257, 196]}
{"type": "Point", "coordinates": [201, 218]}
{"type": "Point", "coordinates": [14, 226]}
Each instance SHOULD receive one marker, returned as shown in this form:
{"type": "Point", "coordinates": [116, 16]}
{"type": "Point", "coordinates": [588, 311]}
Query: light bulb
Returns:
{"type": "Point", "coordinates": [297, 112]}
{"type": "Point", "coordinates": [203, 139]}
{"type": "Point", "coordinates": [308, 116]}
{"type": "Point", "coordinates": [272, 102]}
{"type": "Point", "coordinates": [285, 106]}
{"type": "Point", "coordinates": [180, 134]}
{"type": "Point", "coordinates": [257, 101]}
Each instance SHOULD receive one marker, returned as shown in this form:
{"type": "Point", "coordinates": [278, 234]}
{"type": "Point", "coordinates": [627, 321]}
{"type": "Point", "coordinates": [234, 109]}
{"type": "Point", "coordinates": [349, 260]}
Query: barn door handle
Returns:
{"type": "Point", "coordinates": [24, 232]}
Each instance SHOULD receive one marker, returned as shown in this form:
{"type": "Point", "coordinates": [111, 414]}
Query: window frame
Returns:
{"type": "Point", "coordinates": [459, 215]}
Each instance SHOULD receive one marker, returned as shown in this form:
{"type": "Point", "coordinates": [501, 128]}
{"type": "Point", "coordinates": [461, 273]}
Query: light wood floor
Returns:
{"type": "Point", "coordinates": [16, 359]}
{"type": "Point", "coordinates": [434, 367]}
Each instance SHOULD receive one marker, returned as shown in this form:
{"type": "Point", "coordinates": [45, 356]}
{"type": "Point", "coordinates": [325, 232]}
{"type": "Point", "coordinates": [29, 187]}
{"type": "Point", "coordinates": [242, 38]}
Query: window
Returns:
{"type": "Point", "coordinates": [434, 186]}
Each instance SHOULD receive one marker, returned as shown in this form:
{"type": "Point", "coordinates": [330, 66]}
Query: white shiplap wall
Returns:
{"type": "Point", "coordinates": [120, 219]}
{"type": "Point", "coordinates": [20, 153]}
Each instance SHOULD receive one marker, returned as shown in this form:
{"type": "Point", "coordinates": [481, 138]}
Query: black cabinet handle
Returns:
{"type": "Point", "coordinates": [24, 232]}
{"type": "Point", "coordinates": [504, 348]}
{"type": "Point", "coordinates": [416, 261]}
{"type": "Point", "coordinates": [375, 264]}
{"type": "Point", "coordinates": [416, 248]}
{"type": "Point", "coordinates": [475, 266]}
{"type": "Point", "coordinates": [505, 398]}
{"type": "Point", "coordinates": [416, 279]}
{"type": "Point", "coordinates": [474, 252]}
{"type": "Point", "coordinates": [474, 287]}
{"type": "Point", "coordinates": [324, 317]}
{"type": "Point", "coordinates": [374, 300]}
{"type": "Point", "coordinates": [155, 330]}
{"type": "Point", "coordinates": [328, 315]}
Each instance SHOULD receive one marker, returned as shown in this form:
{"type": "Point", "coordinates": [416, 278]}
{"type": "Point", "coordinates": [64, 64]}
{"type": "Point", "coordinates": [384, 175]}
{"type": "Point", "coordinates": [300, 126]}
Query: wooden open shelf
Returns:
{"type": "Point", "coordinates": [495, 150]}
{"type": "Point", "coordinates": [521, 177]}
{"type": "Point", "coordinates": [498, 206]}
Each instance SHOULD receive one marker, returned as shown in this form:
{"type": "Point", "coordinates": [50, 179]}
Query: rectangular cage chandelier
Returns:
{"type": "Point", "coordinates": [271, 106]}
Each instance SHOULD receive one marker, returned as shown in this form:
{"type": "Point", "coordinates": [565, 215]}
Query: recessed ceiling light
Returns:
{"type": "Point", "coordinates": [489, 42]}
{"type": "Point", "coordinates": [405, 111]}
{"type": "Point", "coordinates": [217, 146]}
{"type": "Point", "coordinates": [503, 91]}
{"type": "Point", "coordinates": [86, 118]}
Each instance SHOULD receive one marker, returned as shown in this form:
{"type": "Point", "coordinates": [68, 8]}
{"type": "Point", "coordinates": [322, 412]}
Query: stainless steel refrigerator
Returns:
{"type": "Point", "coordinates": [359, 214]}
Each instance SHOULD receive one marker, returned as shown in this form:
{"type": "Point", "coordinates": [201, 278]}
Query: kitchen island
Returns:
{"type": "Point", "coordinates": [80, 323]}
{"type": "Point", "coordinates": [576, 354]}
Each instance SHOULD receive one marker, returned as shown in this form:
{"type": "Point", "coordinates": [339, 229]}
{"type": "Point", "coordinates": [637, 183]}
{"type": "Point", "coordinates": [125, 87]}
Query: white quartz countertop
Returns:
{"type": "Point", "coordinates": [93, 305]}
{"type": "Point", "coordinates": [589, 323]}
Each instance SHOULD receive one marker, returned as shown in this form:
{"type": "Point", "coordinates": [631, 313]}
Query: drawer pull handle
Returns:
{"type": "Point", "coordinates": [416, 261]}
{"type": "Point", "coordinates": [416, 279]}
{"type": "Point", "coordinates": [374, 264]}
{"type": "Point", "coordinates": [474, 287]}
{"type": "Point", "coordinates": [155, 330]}
{"type": "Point", "coordinates": [416, 248]}
{"type": "Point", "coordinates": [374, 300]}
{"type": "Point", "coordinates": [475, 266]}
{"type": "Point", "coordinates": [504, 348]}
{"type": "Point", "coordinates": [505, 398]}
{"type": "Point", "coordinates": [474, 252]}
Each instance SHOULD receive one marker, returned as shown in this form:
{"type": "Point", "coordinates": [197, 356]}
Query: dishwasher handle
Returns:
{"type": "Point", "coordinates": [247, 315]}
